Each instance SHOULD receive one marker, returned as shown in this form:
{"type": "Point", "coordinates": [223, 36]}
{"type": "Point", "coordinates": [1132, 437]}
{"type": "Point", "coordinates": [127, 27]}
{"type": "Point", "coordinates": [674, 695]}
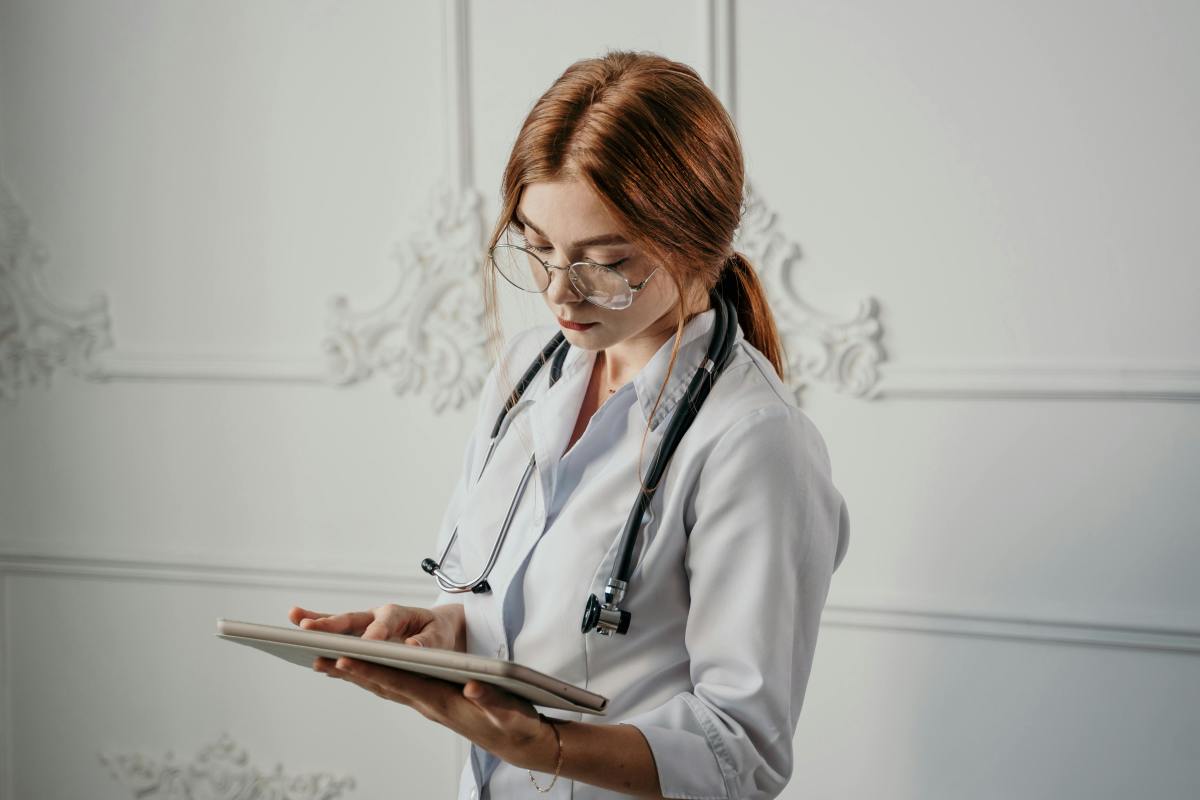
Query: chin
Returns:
{"type": "Point", "coordinates": [585, 340]}
{"type": "Point", "coordinates": [589, 340]}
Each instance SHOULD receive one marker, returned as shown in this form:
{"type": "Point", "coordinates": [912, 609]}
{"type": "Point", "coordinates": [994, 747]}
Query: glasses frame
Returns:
{"type": "Point", "coordinates": [572, 275]}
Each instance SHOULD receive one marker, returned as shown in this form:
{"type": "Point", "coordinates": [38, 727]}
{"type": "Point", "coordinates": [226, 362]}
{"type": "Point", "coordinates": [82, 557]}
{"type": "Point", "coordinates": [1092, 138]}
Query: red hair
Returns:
{"type": "Point", "coordinates": [662, 154]}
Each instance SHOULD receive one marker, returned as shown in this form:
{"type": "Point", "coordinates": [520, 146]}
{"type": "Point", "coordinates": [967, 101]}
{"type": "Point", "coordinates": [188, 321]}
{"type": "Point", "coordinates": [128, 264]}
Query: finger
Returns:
{"type": "Point", "coordinates": [297, 614]}
{"type": "Point", "coordinates": [378, 629]}
{"type": "Point", "coordinates": [430, 696]}
{"type": "Point", "coordinates": [340, 674]}
{"type": "Point", "coordinates": [390, 620]}
{"type": "Point", "coordinates": [353, 622]}
{"type": "Point", "coordinates": [379, 687]}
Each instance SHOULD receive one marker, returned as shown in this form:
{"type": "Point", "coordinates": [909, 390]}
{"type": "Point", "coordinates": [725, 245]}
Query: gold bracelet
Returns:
{"type": "Point", "coordinates": [558, 765]}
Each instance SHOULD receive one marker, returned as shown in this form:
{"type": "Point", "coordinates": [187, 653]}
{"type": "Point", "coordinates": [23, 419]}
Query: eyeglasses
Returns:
{"type": "Point", "coordinates": [599, 284]}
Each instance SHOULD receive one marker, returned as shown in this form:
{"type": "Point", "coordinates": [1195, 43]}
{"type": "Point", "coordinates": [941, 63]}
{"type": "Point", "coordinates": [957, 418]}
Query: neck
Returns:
{"type": "Point", "coordinates": [620, 362]}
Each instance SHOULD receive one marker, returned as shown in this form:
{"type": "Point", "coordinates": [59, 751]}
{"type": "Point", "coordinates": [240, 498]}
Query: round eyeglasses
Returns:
{"type": "Point", "coordinates": [599, 284]}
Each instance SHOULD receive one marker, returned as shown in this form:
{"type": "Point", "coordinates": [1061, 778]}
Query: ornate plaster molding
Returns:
{"type": "Point", "coordinates": [38, 335]}
{"type": "Point", "coordinates": [220, 772]}
{"type": "Point", "coordinates": [821, 347]}
{"type": "Point", "coordinates": [430, 333]}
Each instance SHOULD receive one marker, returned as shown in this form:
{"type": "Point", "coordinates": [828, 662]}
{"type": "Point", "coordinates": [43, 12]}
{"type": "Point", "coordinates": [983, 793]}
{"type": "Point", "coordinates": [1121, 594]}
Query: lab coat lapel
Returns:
{"type": "Point", "coordinates": [553, 418]}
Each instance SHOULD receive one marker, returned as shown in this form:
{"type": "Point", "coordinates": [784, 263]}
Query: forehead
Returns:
{"type": "Point", "coordinates": [565, 210]}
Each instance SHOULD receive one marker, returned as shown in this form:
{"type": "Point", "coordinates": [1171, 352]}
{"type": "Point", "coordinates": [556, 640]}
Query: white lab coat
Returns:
{"type": "Point", "coordinates": [732, 568]}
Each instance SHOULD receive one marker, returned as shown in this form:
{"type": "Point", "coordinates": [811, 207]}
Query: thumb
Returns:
{"type": "Point", "coordinates": [489, 698]}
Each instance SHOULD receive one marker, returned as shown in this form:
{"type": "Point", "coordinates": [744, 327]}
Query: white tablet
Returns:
{"type": "Point", "coordinates": [301, 647]}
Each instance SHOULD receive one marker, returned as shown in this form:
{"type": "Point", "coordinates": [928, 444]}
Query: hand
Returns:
{"type": "Point", "coordinates": [443, 627]}
{"type": "Point", "coordinates": [493, 718]}
{"type": "Point", "coordinates": [496, 720]}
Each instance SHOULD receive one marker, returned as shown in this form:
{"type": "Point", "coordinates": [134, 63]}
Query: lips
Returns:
{"type": "Point", "coordinates": [574, 326]}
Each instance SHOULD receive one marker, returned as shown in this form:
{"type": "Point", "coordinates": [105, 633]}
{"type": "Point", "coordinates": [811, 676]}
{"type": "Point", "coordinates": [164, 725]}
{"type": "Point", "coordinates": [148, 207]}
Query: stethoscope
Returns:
{"type": "Point", "coordinates": [607, 617]}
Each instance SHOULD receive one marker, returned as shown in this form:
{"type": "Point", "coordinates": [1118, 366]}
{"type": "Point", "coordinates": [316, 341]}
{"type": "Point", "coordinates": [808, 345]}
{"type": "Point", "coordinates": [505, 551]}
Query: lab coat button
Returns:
{"type": "Point", "coordinates": [474, 794]}
{"type": "Point", "coordinates": [500, 651]}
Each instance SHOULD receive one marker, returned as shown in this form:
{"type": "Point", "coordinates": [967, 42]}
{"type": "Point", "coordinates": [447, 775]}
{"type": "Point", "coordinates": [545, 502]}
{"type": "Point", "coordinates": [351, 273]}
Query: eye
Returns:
{"type": "Point", "coordinates": [521, 240]}
{"type": "Point", "coordinates": [613, 265]}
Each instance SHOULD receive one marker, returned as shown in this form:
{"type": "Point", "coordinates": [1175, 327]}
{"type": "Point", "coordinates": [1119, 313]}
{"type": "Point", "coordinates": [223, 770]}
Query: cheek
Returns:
{"type": "Point", "coordinates": [661, 291]}
{"type": "Point", "coordinates": [655, 305]}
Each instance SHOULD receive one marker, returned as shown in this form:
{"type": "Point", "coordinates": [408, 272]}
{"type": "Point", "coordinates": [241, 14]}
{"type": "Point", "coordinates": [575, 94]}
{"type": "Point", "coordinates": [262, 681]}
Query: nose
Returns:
{"type": "Point", "coordinates": [560, 290]}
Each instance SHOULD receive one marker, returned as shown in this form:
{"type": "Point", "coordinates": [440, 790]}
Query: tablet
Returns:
{"type": "Point", "coordinates": [301, 646]}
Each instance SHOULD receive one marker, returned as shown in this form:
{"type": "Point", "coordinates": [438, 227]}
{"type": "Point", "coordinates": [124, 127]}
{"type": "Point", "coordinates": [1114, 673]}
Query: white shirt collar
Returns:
{"type": "Point", "coordinates": [648, 381]}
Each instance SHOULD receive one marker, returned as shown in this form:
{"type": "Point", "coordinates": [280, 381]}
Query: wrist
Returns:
{"type": "Point", "coordinates": [540, 751]}
{"type": "Point", "coordinates": [553, 726]}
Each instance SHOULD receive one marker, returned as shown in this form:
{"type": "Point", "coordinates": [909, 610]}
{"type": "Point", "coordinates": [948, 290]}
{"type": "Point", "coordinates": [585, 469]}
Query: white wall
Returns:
{"type": "Point", "coordinates": [980, 214]}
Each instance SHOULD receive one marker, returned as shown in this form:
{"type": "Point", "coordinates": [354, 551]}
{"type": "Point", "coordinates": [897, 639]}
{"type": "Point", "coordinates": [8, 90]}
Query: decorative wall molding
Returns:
{"type": "Point", "coordinates": [1028, 630]}
{"type": "Point", "coordinates": [1015, 381]}
{"type": "Point", "coordinates": [130, 366]}
{"type": "Point", "coordinates": [39, 335]}
{"type": "Point", "coordinates": [411, 582]}
{"type": "Point", "coordinates": [427, 336]}
{"type": "Point", "coordinates": [718, 44]}
{"type": "Point", "coordinates": [221, 771]}
{"type": "Point", "coordinates": [908, 380]}
{"type": "Point", "coordinates": [430, 332]}
{"type": "Point", "coordinates": [247, 572]}
{"type": "Point", "coordinates": [7, 733]}
{"type": "Point", "coordinates": [844, 353]}
{"type": "Point", "coordinates": [841, 353]}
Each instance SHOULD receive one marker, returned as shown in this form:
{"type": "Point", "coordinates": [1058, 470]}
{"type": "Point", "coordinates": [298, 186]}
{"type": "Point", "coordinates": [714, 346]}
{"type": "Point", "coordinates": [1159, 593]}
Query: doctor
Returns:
{"type": "Point", "coordinates": [629, 170]}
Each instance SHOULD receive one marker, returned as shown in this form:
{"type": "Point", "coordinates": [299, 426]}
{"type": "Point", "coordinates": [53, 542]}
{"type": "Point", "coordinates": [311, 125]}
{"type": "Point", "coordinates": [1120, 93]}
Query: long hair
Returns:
{"type": "Point", "coordinates": [662, 154]}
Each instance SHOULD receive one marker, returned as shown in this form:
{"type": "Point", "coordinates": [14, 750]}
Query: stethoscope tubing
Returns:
{"type": "Point", "coordinates": [719, 351]}
{"type": "Point", "coordinates": [480, 583]}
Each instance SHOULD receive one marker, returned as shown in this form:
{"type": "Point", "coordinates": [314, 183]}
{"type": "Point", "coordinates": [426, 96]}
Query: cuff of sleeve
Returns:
{"type": "Point", "coordinates": [687, 766]}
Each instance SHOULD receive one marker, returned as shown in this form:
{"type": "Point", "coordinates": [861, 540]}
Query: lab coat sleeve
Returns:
{"type": "Point", "coordinates": [768, 530]}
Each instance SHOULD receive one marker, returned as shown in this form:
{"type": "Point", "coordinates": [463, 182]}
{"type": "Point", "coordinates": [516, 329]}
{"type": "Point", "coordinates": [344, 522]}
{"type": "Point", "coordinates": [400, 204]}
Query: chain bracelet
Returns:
{"type": "Point", "coordinates": [558, 764]}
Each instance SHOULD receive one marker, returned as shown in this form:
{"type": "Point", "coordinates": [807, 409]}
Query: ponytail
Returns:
{"type": "Point", "coordinates": [739, 283]}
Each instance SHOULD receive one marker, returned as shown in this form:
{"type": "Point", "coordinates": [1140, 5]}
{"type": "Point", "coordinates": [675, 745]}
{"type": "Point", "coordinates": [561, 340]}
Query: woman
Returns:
{"type": "Point", "coordinates": [629, 169]}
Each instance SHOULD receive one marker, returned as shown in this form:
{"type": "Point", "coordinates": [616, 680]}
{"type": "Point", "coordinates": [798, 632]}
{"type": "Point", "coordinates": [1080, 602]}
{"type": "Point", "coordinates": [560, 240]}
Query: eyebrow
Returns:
{"type": "Point", "coordinates": [607, 238]}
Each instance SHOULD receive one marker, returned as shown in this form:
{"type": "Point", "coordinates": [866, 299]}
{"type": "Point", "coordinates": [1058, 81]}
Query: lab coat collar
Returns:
{"type": "Point", "coordinates": [568, 391]}
{"type": "Point", "coordinates": [692, 348]}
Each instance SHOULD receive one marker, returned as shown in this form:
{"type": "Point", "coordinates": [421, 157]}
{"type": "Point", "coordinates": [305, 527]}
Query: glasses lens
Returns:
{"type": "Point", "coordinates": [602, 286]}
{"type": "Point", "coordinates": [520, 268]}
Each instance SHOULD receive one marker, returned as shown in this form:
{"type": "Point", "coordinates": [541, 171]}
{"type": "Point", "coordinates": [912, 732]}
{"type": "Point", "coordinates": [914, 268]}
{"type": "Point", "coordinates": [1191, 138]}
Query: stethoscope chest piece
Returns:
{"type": "Point", "coordinates": [606, 618]}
